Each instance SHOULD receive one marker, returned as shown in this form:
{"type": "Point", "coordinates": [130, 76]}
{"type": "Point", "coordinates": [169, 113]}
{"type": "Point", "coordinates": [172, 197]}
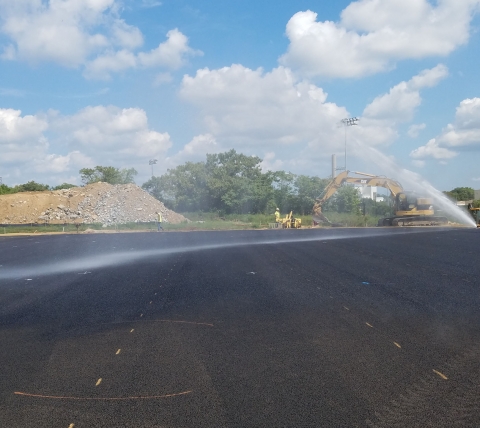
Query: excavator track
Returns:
{"type": "Point", "coordinates": [427, 220]}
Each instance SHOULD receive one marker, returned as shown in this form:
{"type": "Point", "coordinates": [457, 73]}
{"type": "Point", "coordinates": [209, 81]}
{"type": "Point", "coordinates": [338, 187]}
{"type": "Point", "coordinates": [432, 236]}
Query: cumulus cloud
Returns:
{"type": "Point", "coordinates": [64, 32]}
{"type": "Point", "coordinates": [415, 129]}
{"type": "Point", "coordinates": [290, 118]}
{"type": "Point", "coordinates": [380, 118]}
{"type": "Point", "coordinates": [111, 131]}
{"type": "Point", "coordinates": [462, 134]}
{"type": "Point", "coordinates": [195, 151]}
{"type": "Point", "coordinates": [21, 137]}
{"type": "Point", "coordinates": [170, 54]}
{"type": "Point", "coordinates": [248, 107]}
{"type": "Point", "coordinates": [52, 143]}
{"type": "Point", "coordinates": [372, 35]}
{"type": "Point", "coordinates": [84, 33]}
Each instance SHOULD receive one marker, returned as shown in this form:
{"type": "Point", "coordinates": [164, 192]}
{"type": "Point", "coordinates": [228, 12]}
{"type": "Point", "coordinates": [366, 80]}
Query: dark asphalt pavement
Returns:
{"type": "Point", "coordinates": [280, 328]}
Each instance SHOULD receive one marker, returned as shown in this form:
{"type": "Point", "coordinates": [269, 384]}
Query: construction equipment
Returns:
{"type": "Point", "coordinates": [475, 213]}
{"type": "Point", "coordinates": [410, 209]}
{"type": "Point", "coordinates": [289, 222]}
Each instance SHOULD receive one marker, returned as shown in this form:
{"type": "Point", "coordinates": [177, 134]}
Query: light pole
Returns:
{"type": "Point", "coordinates": [152, 162]}
{"type": "Point", "coordinates": [348, 121]}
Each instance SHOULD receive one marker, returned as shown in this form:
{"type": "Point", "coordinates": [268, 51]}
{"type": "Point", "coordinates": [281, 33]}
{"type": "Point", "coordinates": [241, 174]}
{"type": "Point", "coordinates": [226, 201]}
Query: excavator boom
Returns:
{"type": "Point", "coordinates": [410, 210]}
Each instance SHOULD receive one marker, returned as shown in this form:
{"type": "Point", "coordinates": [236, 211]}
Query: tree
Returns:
{"type": "Point", "coordinates": [235, 183]}
{"type": "Point", "coordinates": [461, 193]}
{"type": "Point", "coordinates": [64, 186]}
{"type": "Point", "coordinates": [5, 190]}
{"type": "Point", "coordinates": [308, 189]}
{"type": "Point", "coordinates": [182, 188]}
{"type": "Point", "coordinates": [346, 200]}
{"type": "Point", "coordinates": [31, 186]}
{"type": "Point", "coordinates": [107, 174]}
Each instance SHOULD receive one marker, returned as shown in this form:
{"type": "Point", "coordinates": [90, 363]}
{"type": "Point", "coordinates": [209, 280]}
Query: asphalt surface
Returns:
{"type": "Point", "coordinates": [310, 328]}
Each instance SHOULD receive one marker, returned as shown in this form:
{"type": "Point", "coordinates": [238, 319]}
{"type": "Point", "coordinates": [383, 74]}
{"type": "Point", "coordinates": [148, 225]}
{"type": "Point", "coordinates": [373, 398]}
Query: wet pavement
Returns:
{"type": "Point", "coordinates": [313, 328]}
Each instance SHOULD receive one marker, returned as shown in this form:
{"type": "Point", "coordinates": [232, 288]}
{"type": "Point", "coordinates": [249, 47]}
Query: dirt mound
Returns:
{"type": "Point", "coordinates": [95, 203]}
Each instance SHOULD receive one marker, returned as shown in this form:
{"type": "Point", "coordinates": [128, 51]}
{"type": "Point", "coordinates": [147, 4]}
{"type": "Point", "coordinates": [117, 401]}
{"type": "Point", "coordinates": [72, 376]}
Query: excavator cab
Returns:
{"type": "Point", "coordinates": [408, 203]}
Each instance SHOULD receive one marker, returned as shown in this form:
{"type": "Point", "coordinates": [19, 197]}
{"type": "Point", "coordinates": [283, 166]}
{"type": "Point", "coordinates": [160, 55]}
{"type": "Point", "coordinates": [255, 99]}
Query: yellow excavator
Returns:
{"type": "Point", "coordinates": [475, 213]}
{"type": "Point", "coordinates": [410, 209]}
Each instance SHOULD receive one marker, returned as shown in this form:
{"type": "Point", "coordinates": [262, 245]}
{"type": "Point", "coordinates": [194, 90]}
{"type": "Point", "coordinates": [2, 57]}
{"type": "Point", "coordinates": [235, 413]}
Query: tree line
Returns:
{"type": "Point", "coordinates": [233, 183]}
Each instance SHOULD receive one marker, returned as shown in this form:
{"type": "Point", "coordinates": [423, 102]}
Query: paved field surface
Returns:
{"type": "Point", "coordinates": [307, 328]}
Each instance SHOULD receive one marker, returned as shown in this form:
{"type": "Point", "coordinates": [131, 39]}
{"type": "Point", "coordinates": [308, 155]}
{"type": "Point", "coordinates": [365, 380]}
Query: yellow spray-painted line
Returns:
{"type": "Point", "coordinates": [71, 425]}
{"type": "Point", "coordinates": [397, 345]}
{"type": "Point", "coordinates": [140, 397]}
{"type": "Point", "coordinates": [118, 352]}
{"type": "Point", "coordinates": [99, 381]}
{"type": "Point", "coordinates": [440, 374]}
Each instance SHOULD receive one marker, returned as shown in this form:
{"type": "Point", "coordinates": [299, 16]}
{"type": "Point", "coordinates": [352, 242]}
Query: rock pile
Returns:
{"type": "Point", "coordinates": [95, 203]}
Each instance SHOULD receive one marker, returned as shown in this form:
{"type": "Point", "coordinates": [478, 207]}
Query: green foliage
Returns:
{"type": "Point", "coordinates": [183, 188]}
{"type": "Point", "coordinates": [107, 174]}
{"type": "Point", "coordinates": [345, 200]}
{"type": "Point", "coordinates": [31, 186]}
{"type": "Point", "coordinates": [236, 184]}
{"type": "Point", "coordinates": [5, 190]}
{"type": "Point", "coordinates": [461, 193]}
{"type": "Point", "coordinates": [64, 186]}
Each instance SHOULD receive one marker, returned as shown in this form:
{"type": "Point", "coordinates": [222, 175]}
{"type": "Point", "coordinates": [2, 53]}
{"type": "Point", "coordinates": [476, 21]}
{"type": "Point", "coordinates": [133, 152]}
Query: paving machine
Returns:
{"type": "Point", "coordinates": [410, 209]}
{"type": "Point", "coordinates": [289, 222]}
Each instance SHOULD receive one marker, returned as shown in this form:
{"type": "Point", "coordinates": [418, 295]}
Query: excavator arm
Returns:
{"type": "Point", "coordinates": [365, 180]}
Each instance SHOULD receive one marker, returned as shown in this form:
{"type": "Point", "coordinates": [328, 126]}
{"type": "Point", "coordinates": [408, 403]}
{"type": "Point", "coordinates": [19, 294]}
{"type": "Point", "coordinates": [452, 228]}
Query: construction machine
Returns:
{"type": "Point", "coordinates": [410, 209]}
{"type": "Point", "coordinates": [289, 222]}
{"type": "Point", "coordinates": [476, 214]}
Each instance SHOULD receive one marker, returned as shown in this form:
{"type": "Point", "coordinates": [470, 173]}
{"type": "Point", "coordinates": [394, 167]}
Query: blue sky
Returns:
{"type": "Point", "coordinates": [109, 82]}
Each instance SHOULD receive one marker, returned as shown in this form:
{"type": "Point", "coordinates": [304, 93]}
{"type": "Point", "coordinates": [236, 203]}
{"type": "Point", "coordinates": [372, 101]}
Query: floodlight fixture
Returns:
{"type": "Point", "coordinates": [152, 162]}
{"type": "Point", "coordinates": [348, 121]}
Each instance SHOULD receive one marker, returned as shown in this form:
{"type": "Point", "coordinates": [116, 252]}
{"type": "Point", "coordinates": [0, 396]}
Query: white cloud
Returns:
{"type": "Point", "coordinates": [373, 35]}
{"type": "Point", "coordinates": [59, 145]}
{"type": "Point", "coordinates": [432, 150]}
{"type": "Point", "coordinates": [464, 133]}
{"type": "Point", "coordinates": [382, 116]}
{"type": "Point", "coordinates": [126, 36]}
{"type": "Point", "coordinates": [170, 54]}
{"type": "Point", "coordinates": [415, 129]}
{"type": "Point", "coordinates": [290, 119]}
{"type": "Point", "coordinates": [248, 107]}
{"type": "Point", "coordinates": [64, 32]}
{"type": "Point", "coordinates": [116, 133]}
{"type": "Point", "coordinates": [84, 33]}
{"type": "Point", "coordinates": [195, 151]}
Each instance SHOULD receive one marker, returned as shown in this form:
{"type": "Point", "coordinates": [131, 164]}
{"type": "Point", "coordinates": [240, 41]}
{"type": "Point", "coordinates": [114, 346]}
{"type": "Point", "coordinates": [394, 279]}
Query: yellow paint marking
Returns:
{"type": "Point", "coordinates": [118, 352]}
{"type": "Point", "coordinates": [131, 331]}
{"type": "Point", "coordinates": [397, 345]}
{"type": "Point", "coordinates": [346, 308]}
{"type": "Point", "coordinates": [99, 381]}
{"type": "Point", "coordinates": [71, 425]}
{"type": "Point", "coordinates": [440, 374]}
{"type": "Point", "coordinates": [370, 325]}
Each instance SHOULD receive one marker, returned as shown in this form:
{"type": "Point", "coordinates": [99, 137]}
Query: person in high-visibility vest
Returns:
{"type": "Point", "coordinates": [277, 215]}
{"type": "Point", "coordinates": [159, 221]}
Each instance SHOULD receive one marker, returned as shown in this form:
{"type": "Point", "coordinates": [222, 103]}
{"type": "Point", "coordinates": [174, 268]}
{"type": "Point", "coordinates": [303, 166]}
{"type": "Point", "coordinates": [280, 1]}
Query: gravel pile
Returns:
{"type": "Point", "coordinates": [96, 203]}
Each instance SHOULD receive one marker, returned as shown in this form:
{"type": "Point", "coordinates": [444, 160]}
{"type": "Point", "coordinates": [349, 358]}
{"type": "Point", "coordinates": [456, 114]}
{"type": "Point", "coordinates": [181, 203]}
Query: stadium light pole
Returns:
{"type": "Point", "coordinates": [152, 162]}
{"type": "Point", "coordinates": [348, 121]}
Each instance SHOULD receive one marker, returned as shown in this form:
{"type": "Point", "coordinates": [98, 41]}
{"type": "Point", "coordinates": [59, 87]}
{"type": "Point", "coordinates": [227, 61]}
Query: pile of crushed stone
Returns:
{"type": "Point", "coordinates": [95, 203]}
